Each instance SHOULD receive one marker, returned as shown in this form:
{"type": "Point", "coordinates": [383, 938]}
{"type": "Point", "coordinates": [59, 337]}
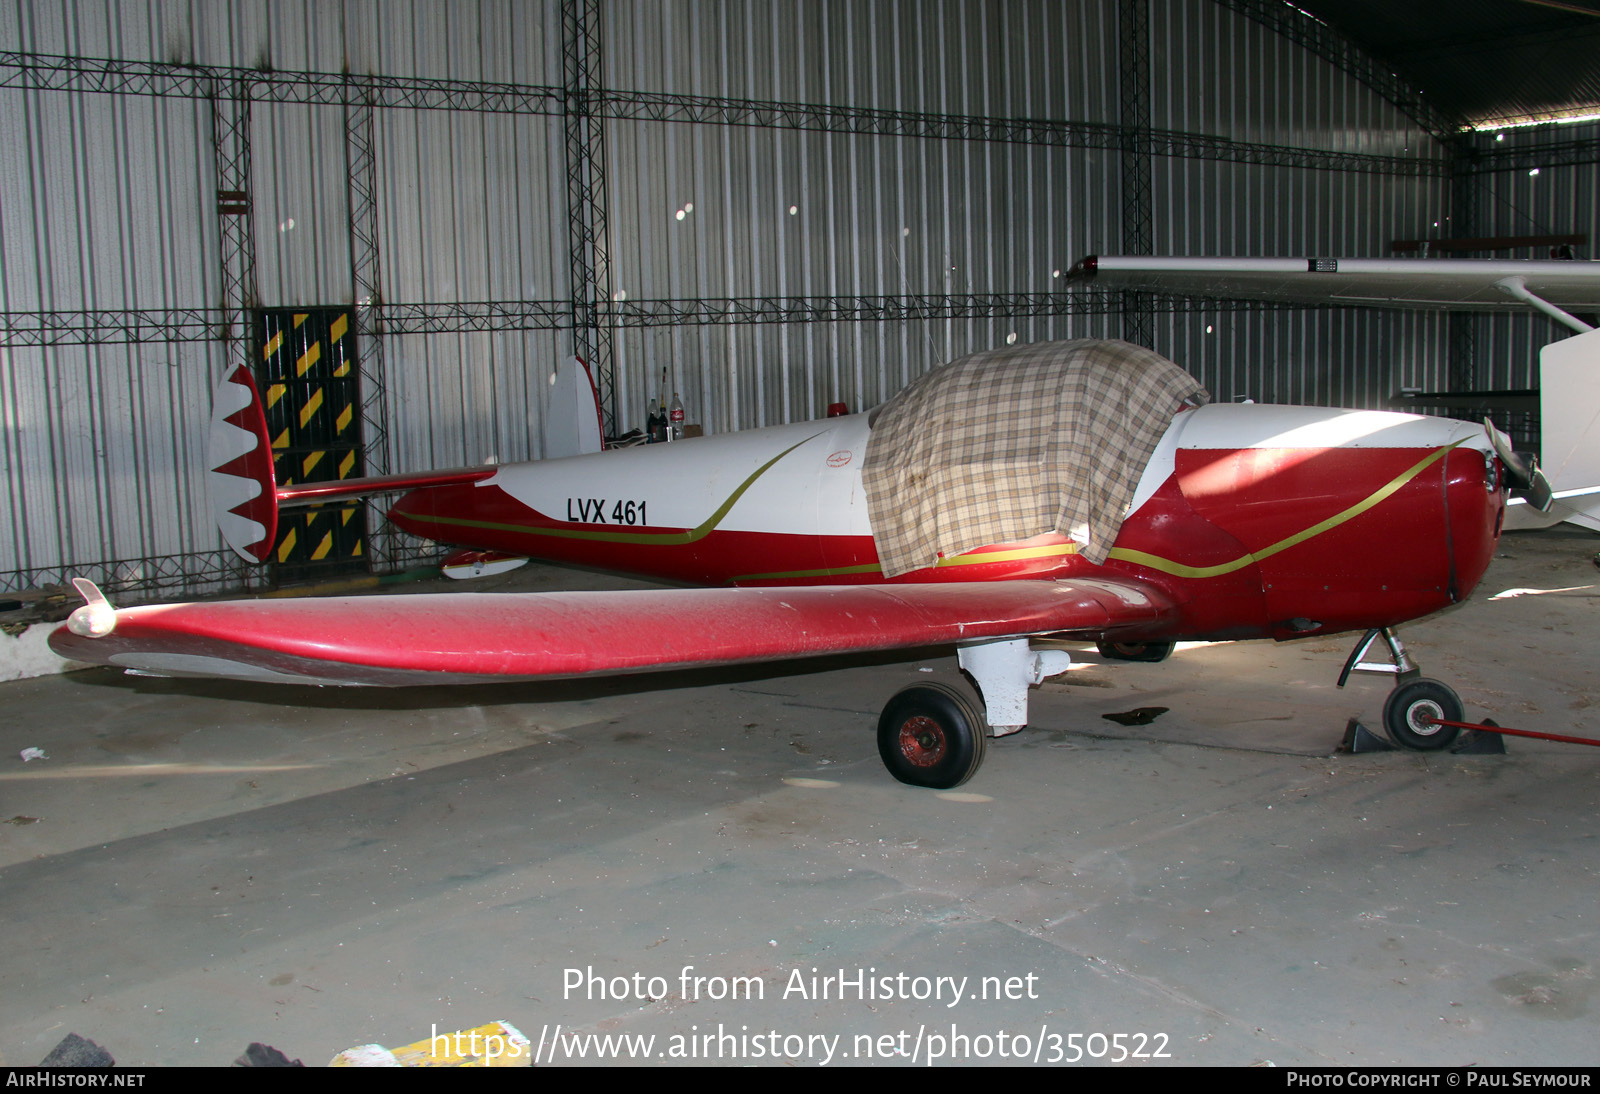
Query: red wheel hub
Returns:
{"type": "Point", "coordinates": [922, 741]}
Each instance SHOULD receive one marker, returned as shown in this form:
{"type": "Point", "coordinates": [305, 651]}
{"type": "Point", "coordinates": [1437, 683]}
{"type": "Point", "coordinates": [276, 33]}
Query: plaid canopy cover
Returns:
{"type": "Point", "coordinates": [1005, 445]}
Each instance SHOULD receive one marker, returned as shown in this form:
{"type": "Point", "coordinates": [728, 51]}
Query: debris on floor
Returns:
{"type": "Point", "coordinates": [495, 1044]}
{"type": "Point", "coordinates": [1139, 716]}
{"type": "Point", "coordinates": [260, 1055]}
{"type": "Point", "coordinates": [75, 1051]}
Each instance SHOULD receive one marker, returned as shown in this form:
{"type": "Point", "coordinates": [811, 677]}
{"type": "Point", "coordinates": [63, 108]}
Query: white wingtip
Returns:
{"type": "Point", "coordinates": [96, 618]}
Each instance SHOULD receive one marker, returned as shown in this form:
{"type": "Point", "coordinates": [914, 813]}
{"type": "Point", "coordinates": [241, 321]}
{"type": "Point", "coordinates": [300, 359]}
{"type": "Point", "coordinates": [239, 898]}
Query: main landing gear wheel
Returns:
{"type": "Point", "coordinates": [1135, 651]}
{"type": "Point", "coordinates": [1409, 713]}
{"type": "Point", "coordinates": [932, 735]}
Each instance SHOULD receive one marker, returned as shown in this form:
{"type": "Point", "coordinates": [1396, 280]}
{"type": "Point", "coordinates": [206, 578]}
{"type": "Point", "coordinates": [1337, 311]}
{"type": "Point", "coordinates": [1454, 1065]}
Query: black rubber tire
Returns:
{"type": "Point", "coordinates": [1151, 652]}
{"type": "Point", "coordinates": [1409, 703]}
{"type": "Point", "coordinates": [932, 735]}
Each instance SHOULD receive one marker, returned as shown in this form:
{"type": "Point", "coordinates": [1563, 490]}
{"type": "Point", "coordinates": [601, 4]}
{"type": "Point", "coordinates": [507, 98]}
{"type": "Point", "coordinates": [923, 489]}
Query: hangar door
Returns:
{"type": "Point", "coordinates": [306, 369]}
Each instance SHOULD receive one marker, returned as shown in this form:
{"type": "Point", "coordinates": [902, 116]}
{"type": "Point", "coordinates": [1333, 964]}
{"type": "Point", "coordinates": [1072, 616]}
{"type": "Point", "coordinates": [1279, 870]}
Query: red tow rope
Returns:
{"type": "Point", "coordinates": [1490, 727]}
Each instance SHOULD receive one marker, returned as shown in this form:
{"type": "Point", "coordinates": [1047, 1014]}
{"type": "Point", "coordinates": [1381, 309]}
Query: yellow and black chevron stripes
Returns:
{"type": "Point", "coordinates": [309, 410]}
{"type": "Point", "coordinates": [323, 535]}
{"type": "Point", "coordinates": [310, 357]}
{"type": "Point", "coordinates": [308, 373]}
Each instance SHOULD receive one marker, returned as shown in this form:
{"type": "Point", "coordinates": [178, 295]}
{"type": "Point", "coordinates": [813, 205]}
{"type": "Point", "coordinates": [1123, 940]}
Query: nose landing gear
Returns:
{"type": "Point", "coordinates": [1415, 709]}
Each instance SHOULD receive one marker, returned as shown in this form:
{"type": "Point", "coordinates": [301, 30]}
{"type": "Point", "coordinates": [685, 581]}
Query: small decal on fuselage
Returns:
{"type": "Point", "coordinates": [602, 511]}
{"type": "Point", "coordinates": [840, 458]}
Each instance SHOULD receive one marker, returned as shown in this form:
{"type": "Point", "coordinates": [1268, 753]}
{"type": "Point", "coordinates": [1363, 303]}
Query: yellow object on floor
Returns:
{"type": "Point", "coordinates": [495, 1044]}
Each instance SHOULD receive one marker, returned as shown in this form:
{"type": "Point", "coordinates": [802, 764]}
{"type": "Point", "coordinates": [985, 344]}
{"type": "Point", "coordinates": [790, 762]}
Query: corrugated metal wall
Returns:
{"type": "Point", "coordinates": [1535, 181]}
{"type": "Point", "coordinates": [803, 203]}
{"type": "Point", "coordinates": [776, 212]}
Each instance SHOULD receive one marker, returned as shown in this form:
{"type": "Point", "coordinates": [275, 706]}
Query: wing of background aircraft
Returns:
{"type": "Point", "coordinates": [1444, 283]}
{"type": "Point", "coordinates": [1569, 367]}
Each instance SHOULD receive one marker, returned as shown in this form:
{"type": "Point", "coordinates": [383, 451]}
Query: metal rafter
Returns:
{"type": "Point", "coordinates": [1133, 34]}
{"type": "Point", "coordinates": [874, 309]}
{"type": "Point", "coordinates": [230, 134]}
{"type": "Point", "coordinates": [361, 187]}
{"type": "Point", "coordinates": [92, 328]}
{"type": "Point", "coordinates": [710, 110]}
{"type": "Point", "coordinates": [1461, 327]}
{"type": "Point", "coordinates": [588, 264]}
{"type": "Point", "coordinates": [1489, 159]}
{"type": "Point", "coordinates": [487, 315]}
{"type": "Point", "coordinates": [138, 325]}
{"type": "Point", "coordinates": [107, 326]}
{"type": "Point", "coordinates": [48, 72]}
{"type": "Point", "coordinates": [1318, 38]}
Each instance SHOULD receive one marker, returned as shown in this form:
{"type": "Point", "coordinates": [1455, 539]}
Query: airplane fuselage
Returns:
{"type": "Point", "coordinates": [1260, 521]}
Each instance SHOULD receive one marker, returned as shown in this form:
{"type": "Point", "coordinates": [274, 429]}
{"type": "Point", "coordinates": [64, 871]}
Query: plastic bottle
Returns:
{"type": "Point", "coordinates": [675, 427]}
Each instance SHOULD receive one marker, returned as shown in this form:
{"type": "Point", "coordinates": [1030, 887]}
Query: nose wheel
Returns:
{"type": "Point", "coordinates": [1412, 711]}
{"type": "Point", "coordinates": [932, 735]}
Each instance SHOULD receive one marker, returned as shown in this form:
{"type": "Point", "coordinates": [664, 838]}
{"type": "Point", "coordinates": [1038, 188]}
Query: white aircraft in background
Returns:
{"type": "Point", "coordinates": [1570, 456]}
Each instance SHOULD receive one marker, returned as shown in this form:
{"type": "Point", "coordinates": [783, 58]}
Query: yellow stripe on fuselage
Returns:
{"type": "Point", "coordinates": [975, 558]}
{"type": "Point", "coordinates": [655, 539]}
{"type": "Point", "coordinates": [1179, 569]}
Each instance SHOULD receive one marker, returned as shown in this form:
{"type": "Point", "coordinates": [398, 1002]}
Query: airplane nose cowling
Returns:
{"type": "Point", "coordinates": [1475, 504]}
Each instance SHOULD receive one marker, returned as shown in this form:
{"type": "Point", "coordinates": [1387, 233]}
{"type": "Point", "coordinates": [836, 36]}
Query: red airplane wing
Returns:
{"type": "Point", "coordinates": [478, 637]}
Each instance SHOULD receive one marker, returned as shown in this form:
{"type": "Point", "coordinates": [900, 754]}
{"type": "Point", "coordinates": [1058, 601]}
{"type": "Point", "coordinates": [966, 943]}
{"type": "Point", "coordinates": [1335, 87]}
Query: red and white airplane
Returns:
{"type": "Point", "coordinates": [1249, 521]}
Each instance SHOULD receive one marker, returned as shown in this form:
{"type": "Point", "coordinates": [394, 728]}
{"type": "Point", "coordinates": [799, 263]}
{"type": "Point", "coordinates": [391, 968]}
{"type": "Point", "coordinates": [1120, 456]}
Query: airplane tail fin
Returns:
{"type": "Point", "coordinates": [572, 419]}
{"type": "Point", "coordinates": [244, 496]}
{"type": "Point", "coordinates": [1569, 416]}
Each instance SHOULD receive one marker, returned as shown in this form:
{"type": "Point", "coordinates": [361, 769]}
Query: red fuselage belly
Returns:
{"type": "Point", "coordinates": [1250, 542]}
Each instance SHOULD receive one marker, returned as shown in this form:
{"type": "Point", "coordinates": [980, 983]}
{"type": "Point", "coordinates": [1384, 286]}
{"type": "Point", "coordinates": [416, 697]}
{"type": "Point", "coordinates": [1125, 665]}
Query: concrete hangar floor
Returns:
{"type": "Point", "coordinates": [717, 860]}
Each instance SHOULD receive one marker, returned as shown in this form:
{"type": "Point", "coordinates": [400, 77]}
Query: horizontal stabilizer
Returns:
{"type": "Point", "coordinates": [314, 493]}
